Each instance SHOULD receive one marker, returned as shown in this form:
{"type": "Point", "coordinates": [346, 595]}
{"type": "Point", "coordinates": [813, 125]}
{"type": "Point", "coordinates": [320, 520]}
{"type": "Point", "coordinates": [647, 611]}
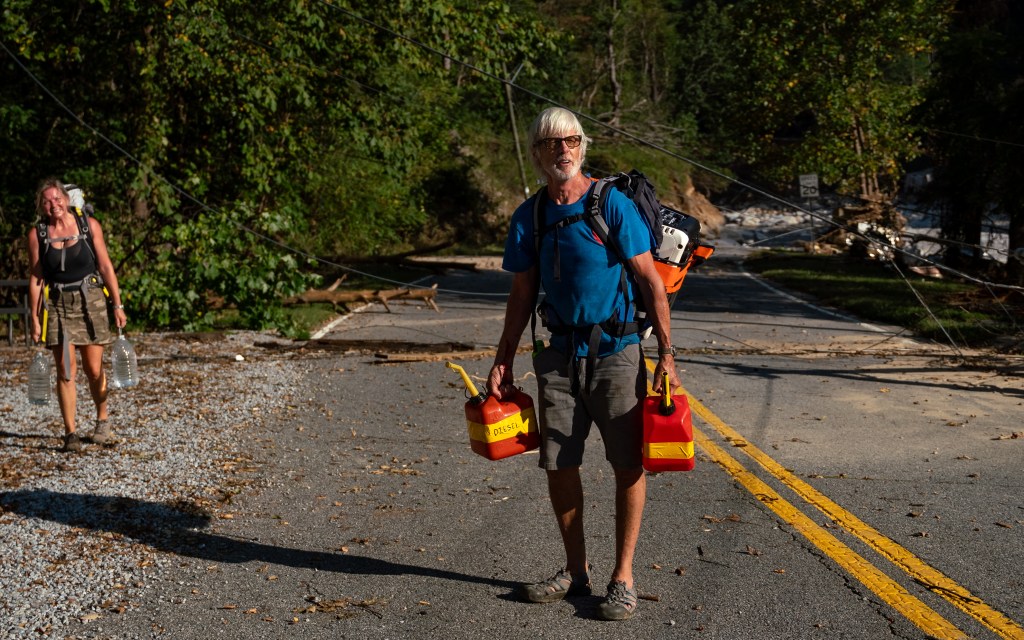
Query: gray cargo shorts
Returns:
{"type": "Point", "coordinates": [613, 403]}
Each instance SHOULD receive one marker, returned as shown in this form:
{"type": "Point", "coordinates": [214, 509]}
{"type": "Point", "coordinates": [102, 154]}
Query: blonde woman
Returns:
{"type": "Point", "coordinates": [68, 254]}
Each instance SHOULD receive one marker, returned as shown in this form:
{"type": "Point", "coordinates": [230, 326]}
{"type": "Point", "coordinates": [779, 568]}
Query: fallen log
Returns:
{"type": "Point", "coordinates": [435, 356]}
{"type": "Point", "coordinates": [439, 265]}
{"type": "Point", "coordinates": [390, 346]}
{"type": "Point", "coordinates": [400, 358]}
{"type": "Point", "coordinates": [375, 347]}
{"type": "Point", "coordinates": [366, 296]}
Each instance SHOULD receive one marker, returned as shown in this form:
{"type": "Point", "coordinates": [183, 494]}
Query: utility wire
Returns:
{"type": "Point", "coordinates": [978, 138]}
{"type": "Point", "coordinates": [663, 150]}
{"type": "Point", "coordinates": [205, 207]}
{"type": "Point", "coordinates": [187, 196]}
{"type": "Point", "coordinates": [924, 304]}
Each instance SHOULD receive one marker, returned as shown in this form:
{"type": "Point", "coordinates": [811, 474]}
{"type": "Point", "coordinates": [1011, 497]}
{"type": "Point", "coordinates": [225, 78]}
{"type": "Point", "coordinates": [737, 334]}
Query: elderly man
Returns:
{"type": "Point", "coordinates": [591, 373]}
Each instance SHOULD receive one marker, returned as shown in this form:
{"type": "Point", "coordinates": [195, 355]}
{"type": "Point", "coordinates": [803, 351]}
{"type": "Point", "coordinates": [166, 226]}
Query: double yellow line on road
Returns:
{"type": "Point", "coordinates": [890, 591]}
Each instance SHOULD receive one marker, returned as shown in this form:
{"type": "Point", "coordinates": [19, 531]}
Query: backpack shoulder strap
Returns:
{"type": "Point", "coordinates": [595, 213]}
{"type": "Point", "coordinates": [538, 219]}
{"type": "Point", "coordinates": [538, 231]}
{"type": "Point", "coordinates": [599, 224]}
{"type": "Point", "coordinates": [82, 218]}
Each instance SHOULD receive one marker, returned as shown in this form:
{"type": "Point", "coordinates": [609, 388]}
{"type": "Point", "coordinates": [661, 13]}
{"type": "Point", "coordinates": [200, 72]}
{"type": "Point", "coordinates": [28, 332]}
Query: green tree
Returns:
{"type": "Point", "coordinates": [706, 51]}
{"type": "Point", "coordinates": [618, 66]}
{"type": "Point", "coordinates": [976, 131]}
{"type": "Point", "coordinates": [818, 87]}
{"type": "Point", "coordinates": [212, 133]}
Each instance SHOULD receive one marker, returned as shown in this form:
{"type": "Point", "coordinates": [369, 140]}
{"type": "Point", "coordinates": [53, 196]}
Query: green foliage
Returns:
{"type": "Point", "coordinates": [301, 122]}
{"type": "Point", "coordinates": [705, 50]}
{"type": "Point", "coordinates": [186, 285]}
{"type": "Point", "coordinates": [348, 130]}
{"type": "Point", "coordinates": [816, 87]}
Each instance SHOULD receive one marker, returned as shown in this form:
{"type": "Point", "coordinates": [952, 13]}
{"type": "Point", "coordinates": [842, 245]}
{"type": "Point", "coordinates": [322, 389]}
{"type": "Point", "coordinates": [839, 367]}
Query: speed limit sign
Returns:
{"type": "Point", "coordinates": [809, 185]}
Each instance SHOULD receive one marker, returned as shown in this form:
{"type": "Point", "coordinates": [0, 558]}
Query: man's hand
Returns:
{"type": "Point", "coordinates": [501, 381]}
{"type": "Point", "coordinates": [666, 363]}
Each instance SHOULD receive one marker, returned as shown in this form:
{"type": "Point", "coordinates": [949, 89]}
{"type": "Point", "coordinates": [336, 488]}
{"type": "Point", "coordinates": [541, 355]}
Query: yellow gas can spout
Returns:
{"type": "Point", "coordinates": [474, 396]}
{"type": "Point", "coordinates": [667, 407]}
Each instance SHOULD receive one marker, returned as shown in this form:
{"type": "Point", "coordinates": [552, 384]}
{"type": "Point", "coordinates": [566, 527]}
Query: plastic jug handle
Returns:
{"type": "Point", "coordinates": [667, 407]}
{"type": "Point", "coordinates": [46, 312]}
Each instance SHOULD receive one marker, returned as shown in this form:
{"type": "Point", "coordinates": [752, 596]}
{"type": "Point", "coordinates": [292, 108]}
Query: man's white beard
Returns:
{"type": "Point", "coordinates": [565, 176]}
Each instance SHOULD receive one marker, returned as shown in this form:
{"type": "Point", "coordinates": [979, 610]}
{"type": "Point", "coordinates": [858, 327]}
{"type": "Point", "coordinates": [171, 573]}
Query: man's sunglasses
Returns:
{"type": "Point", "coordinates": [553, 144]}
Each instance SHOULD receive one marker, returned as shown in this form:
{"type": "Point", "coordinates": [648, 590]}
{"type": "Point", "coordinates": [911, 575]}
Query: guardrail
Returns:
{"type": "Point", "coordinates": [11, 312]}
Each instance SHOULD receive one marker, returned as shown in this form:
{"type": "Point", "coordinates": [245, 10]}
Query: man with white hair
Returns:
{"type": "Point", "coordinates": [593, 371]}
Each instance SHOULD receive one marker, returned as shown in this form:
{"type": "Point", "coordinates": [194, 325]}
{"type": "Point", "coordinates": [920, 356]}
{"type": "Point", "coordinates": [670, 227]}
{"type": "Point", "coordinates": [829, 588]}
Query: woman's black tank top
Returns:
{"type": "Point", "coordinates": [69, 264]}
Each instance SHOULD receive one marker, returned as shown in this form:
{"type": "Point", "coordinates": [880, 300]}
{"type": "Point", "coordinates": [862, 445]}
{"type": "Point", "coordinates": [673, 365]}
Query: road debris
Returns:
{"type": "Point", "coordinates": [366, 296]}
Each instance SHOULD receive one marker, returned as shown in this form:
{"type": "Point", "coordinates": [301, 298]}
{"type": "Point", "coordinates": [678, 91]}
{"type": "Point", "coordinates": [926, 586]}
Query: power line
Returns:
{"type": "Point", "coordinates": [205, 207]}
{"type": "Point", "coordinates": [660, 148]}
{"type": "Point", "coordinates": [978, 138]}
{"type": "Point", "coordinates": [187, 196]}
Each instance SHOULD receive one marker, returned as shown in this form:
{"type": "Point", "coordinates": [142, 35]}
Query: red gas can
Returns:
{"type": "Point", "coordinates": [499, 429]}
{"type": "Point", "coordinates": [668, 432]}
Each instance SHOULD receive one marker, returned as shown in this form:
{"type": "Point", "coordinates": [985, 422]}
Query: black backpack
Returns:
{"type": "Point", "coordinates": [640, 190]}
{"type": "Point", "coordinates": [677, 248]}
{"type": "Point", "coordinates": [635, 186]}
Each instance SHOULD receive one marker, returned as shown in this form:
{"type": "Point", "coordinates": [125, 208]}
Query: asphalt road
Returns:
{"type": "Point", "coordinates": [850, 483]}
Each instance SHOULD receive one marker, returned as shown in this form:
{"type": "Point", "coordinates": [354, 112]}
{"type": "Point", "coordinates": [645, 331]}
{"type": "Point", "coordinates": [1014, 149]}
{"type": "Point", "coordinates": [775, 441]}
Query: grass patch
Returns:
{"type": "Point", "coordinates": [875, 291]}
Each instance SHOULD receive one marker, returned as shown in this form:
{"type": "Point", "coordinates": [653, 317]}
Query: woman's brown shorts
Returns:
{"type": "Point", "coordinates": [81, 324]}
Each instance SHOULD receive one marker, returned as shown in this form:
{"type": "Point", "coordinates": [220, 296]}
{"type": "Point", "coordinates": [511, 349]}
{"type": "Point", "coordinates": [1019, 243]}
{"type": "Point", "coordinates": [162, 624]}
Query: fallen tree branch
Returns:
{"type": "Point", "coordinates": [367, 296]}
{"type": "Point", "coordinates": [376, 347]}
{"type": "Point", "coordinates": [400, 358]}
{"type": "Point", "coordinates": [439, 265]}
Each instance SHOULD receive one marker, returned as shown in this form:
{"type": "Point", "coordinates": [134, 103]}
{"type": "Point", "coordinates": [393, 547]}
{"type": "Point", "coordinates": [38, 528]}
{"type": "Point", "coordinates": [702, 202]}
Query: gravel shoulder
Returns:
{"type": "Point", "coordinates": [85, 538]}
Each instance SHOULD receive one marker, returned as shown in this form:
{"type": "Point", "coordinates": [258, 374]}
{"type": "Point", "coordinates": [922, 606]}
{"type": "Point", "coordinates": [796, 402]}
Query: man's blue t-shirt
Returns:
{"type": "Point", "coordinates": [588, 291]}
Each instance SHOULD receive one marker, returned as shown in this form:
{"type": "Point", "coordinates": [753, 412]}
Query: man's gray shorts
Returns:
{"type": "Point", "coordinates": [613, 403]}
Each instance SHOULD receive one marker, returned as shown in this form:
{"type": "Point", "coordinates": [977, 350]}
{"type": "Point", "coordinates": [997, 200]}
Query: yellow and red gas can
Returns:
{"type": "Point", "coordinates": [668, 432]}
{"type": "Point", "coordinates": [499, 428]}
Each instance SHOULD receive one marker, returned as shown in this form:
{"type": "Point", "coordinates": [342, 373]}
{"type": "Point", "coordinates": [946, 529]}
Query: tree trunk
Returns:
{"type": "Point", "coordinates": [612, 75]}
{"type": "Point", "coordinates": [962, 220]}
{"type": "Point", "coordinates": [1014, 205]}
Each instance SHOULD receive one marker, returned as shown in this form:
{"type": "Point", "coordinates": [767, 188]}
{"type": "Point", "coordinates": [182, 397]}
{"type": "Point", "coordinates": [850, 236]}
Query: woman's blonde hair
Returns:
{"type": "Point", "coordinates": [49, 183]}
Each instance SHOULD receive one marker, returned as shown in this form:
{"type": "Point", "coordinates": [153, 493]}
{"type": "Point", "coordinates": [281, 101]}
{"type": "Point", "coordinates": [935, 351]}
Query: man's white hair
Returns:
{"type": "Point", "coordinates": [554, 122]}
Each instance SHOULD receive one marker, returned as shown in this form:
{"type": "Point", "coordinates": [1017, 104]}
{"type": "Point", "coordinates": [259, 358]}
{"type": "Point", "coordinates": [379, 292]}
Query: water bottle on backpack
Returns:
{"type": "Point", "coordinates": [123, 363]}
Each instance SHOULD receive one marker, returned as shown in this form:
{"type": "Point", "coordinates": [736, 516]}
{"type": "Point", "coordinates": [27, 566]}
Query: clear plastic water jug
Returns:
{"type": "Point", "coordinates": [39, 379]}
{"type": "Point", "coordinates": [124, 364]}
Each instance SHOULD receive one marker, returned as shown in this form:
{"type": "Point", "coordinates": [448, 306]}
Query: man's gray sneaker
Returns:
{"type": "Point", "coordinates": [619, 604]}
{"type": "Point", "coordinates": [560, 585]}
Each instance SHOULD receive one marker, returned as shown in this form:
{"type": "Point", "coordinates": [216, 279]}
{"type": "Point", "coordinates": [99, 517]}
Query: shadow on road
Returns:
{"type": "Point", "coordinates": [914, 376]}
{"type": "Point", "coordinates": [173, 528]}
